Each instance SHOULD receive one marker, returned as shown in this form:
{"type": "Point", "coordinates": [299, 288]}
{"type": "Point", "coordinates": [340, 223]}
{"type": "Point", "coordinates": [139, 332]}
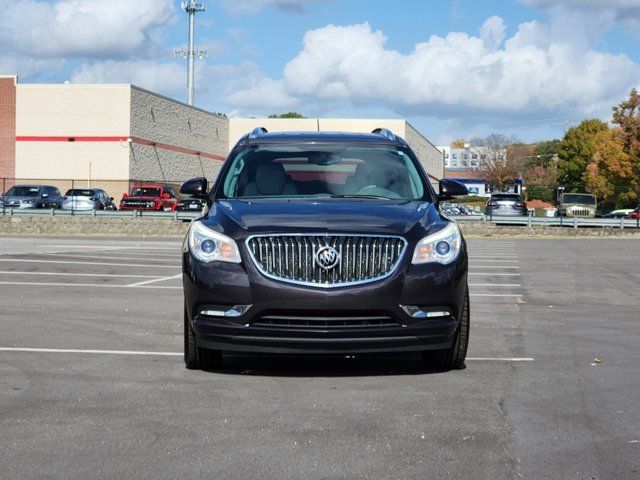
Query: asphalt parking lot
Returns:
{"type": "Point", "coordinates": [92, 383]}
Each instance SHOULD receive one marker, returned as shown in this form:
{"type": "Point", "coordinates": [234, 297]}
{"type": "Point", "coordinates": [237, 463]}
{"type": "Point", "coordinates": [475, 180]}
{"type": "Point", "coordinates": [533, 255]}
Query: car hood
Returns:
{"type": "Point", "coordinates": [319, 216]}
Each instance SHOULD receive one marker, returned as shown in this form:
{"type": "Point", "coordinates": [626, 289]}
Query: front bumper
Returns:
{"type": "Point", "coordinates": [431, 285]}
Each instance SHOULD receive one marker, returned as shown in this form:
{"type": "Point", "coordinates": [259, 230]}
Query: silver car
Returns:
{"type": "Point", "coordinates": [87, 199]}
{"type": "Point", "coordinates": [31, 196]}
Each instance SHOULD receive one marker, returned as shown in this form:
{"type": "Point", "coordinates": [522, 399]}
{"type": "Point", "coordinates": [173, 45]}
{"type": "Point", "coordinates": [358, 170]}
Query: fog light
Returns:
{"type": "Point", "coordinates": [223, 311]}
{"type": "Point", "coordinates": [426, 312]}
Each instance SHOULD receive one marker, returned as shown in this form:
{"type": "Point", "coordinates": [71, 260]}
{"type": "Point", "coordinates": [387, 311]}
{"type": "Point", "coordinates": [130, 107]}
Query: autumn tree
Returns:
{"type": "Point", "coordinates": [575, 151]}
{"type": "Point", "coordinates": [499, 169]}
{"type": "Point", "coordinates": [627, 116]}
{"type": "Point", "coordinates": [610, 173]}
{"type": "Point", "coordinates": [458, 143]}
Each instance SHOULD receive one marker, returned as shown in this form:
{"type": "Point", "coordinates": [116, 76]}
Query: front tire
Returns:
{"type": "Point", "coordinates": [195, 357]}
{"type": "Point", "coordinates": [454, 356]}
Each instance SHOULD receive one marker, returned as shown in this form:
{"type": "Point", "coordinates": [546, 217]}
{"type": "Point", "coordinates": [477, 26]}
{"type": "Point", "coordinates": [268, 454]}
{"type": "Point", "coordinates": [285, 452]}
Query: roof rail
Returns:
{"type": "Point", "coordinates": [385, 132]}
{"type": "Point", "coordinates": [256, 132]}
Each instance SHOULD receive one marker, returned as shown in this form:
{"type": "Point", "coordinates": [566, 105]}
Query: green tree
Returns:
{"type": "Point", "coordinates": [287, 115]}
{"type": "Point", "coordinates": [575, 151]}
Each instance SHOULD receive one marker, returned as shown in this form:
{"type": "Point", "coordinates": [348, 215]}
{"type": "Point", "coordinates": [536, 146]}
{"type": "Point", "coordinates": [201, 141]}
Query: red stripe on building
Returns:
{"type": "Point", "coordinates": [174, 148]}
{"type": "Point", "coordinates": [39, 138]}
{"type": "Point", "coordinates": [140, 141]}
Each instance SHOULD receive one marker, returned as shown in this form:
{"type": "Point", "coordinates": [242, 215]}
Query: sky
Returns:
{"type": "Point", "coordinates": [453, 69]}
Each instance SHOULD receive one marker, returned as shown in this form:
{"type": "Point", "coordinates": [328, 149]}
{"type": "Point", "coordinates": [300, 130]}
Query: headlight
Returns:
{"type": "Point", "coordinates": [442, 246]}
{"type": "Point", "coordinates": [209, 246]}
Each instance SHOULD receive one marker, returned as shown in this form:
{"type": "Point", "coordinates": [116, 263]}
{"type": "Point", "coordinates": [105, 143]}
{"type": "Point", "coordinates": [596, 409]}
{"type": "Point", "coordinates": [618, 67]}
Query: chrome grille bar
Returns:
{"type": "Point", "coordinates": [292, 257]}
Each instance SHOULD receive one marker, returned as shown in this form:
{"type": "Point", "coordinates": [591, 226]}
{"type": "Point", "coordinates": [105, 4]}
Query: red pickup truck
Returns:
{"type": "Point", "coordinates": [150, 197]}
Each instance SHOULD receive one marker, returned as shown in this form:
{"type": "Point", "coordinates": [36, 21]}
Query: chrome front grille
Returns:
{"type": "Point", "coordinates": [294, 258]}
{"type": "Point", "coordinates": [341, 321]}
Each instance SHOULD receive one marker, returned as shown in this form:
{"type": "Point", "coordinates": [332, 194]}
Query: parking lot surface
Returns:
{"type": "Point", "coordinates": [92, 383]}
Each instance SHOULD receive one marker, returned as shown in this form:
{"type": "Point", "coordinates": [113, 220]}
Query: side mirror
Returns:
{"type": "Point", "coordinates": [450, 189]}
{"type": "Point", "coordinates": [111, 199]}
{"type": "Point", "coordinates": [196, 187]}
{"type": "Point", "coordinates": [125, 195]}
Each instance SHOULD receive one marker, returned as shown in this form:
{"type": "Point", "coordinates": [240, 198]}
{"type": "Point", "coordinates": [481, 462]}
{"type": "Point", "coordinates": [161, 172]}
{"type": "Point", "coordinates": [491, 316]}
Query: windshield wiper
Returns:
{"type": "Point", "coordinates": [374, 197]}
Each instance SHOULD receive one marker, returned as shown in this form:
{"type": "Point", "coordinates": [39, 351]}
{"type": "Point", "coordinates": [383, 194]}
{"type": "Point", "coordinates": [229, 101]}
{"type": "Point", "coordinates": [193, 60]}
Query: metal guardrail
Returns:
{"type": "Point", "coordinates": [187, 216]}
{"type": "Point", "coordinates": [100, 213]}
{"type": "Point", "coordinates": [571, 222]}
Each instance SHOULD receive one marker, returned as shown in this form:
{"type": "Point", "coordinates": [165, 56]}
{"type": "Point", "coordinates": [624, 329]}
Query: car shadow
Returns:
{"type": "Point", "coordinates": [325, 366]}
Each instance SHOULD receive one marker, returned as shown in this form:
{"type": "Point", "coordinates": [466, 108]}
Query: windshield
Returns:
{"type": "Point", "coordinates": [80, 193]}
{"type": "Point", "coordinates": [323, 171]}
{"type": "Point", "coordinates": [23, 191]}
{"type": "Point", "coordinates": [145, 192]}
{"type": "Point", "coordinates": [579, 198]}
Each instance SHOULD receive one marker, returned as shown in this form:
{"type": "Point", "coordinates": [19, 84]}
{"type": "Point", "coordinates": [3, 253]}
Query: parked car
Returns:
{"type": "Point", "coordinates": [507, 204]}
{"type": "Point", "coordinates": [325, 244]}
{"type": "Point", "coordinates": [31, 196]}
{"type": "Point", "coordinates": [190, 203]}
{"type": "Point", "coordinates": [635, 214]}
{"type": "Point", "coordinates": [621, 213]}
{"type": "Point", "coordinates": [150, 197]}
{"type": "Point", "coordinates": [581, 205]}
{"type": "Point", "coordinates": [87, 199]}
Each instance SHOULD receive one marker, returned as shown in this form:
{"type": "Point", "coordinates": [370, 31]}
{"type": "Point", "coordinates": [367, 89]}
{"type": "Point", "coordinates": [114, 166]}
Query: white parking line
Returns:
{"type": "Point", "coordinates": [492, 266]}
{"type": "Point", "coordinates": [161, 279]}
{"type": "Point", "coordinates": [180, 354]}
{"type": "Point", "coordinates": [494, 295]}
{"type": "Point", "coordinates": [478, 260]}
{"type": "Point", "coordinates": [97, 285]}
{"type": "Point", "coordinates": [26, 260]}
{"type": "Point", "coordinates": [495, 285]}
{"type": "Point", "coordinates": [115, 256]}
{"type": "Point", "coordinates": [116, 247]}
{"type": "Point", "coordinates": [9, 272]}
{"type": "Point", "coordinates": [487, 274]}
{"type": "Point", "coordinates": [73, 350]}
{"type": "Point", "coordinates": [500, 359]}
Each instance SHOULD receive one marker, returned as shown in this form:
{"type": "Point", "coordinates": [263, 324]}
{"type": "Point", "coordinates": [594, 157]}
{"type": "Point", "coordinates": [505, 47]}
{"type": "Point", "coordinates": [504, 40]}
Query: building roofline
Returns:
{"type": "Point", "coordinates": [421, 135]}
{"type": "Point", "coordinates": [135, 87]}
{"type": "Point", "coordinates": [14, 77]}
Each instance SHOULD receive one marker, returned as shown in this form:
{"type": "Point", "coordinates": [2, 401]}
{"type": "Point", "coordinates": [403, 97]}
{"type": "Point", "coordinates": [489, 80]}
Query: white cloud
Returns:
{"type": "Point", "coordinates": [598, 12]}
{"type": "Point", "coordinates": [533, 73]}
{"type": "Point", "coordinates": [83, 28]}
{"type": "Point", "coordinates": [254, 6]}
{"type": "Point", "coordinates": [166, 78]}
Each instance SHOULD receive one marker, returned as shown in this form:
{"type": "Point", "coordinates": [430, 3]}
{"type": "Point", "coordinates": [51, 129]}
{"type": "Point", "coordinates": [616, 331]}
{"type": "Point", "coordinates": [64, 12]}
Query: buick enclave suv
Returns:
{"type": "Point", "coordinates": [324, 243]}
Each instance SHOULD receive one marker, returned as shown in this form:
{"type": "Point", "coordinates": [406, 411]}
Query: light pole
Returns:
{"type": "Point", "coordinates": [191, 7]}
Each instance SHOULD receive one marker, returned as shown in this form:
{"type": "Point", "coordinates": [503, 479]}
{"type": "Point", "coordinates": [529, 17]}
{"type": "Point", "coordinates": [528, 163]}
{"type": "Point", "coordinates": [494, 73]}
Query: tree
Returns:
{"type": "Point", "coordinates": [575, 151]}
{"type": "Point", "coordinates": [458, 143]}
{"type": "Point", "coordinates": [610, 173]}
{"type": "Point", "coordinates": [627, 116]}
{"type": "Point", "coordinates": [287, 115]}
{"type": "Point", "coordinates": [499, 168]}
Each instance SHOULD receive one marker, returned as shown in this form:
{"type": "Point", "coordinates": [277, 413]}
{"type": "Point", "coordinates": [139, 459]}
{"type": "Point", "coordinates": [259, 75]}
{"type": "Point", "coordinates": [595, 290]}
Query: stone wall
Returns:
{"type": "Point", "coordinates": [67, 225]}
{"type": "Point", "coordinates": [172, 141]}
{"type": "Point", "coordinates": [427, 152]}
{"type": "Point", "coordinates": [86, 226]}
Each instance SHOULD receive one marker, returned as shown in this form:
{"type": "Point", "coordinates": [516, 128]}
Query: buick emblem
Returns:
{"type": "Point", "coordinates": [327, 257]}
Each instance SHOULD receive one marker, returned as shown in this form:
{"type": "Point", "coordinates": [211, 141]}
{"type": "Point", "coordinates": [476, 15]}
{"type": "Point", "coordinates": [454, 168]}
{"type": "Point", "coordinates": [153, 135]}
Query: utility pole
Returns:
{"type": "Point", "coordinates": [191, 7]}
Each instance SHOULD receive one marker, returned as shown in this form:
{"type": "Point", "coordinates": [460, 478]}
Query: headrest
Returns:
{"type": "Point", "coordinates": [270, 178]}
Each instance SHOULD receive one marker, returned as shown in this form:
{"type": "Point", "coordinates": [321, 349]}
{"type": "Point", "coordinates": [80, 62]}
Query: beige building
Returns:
{"type": "Point", "coordinates": [111, 136]}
